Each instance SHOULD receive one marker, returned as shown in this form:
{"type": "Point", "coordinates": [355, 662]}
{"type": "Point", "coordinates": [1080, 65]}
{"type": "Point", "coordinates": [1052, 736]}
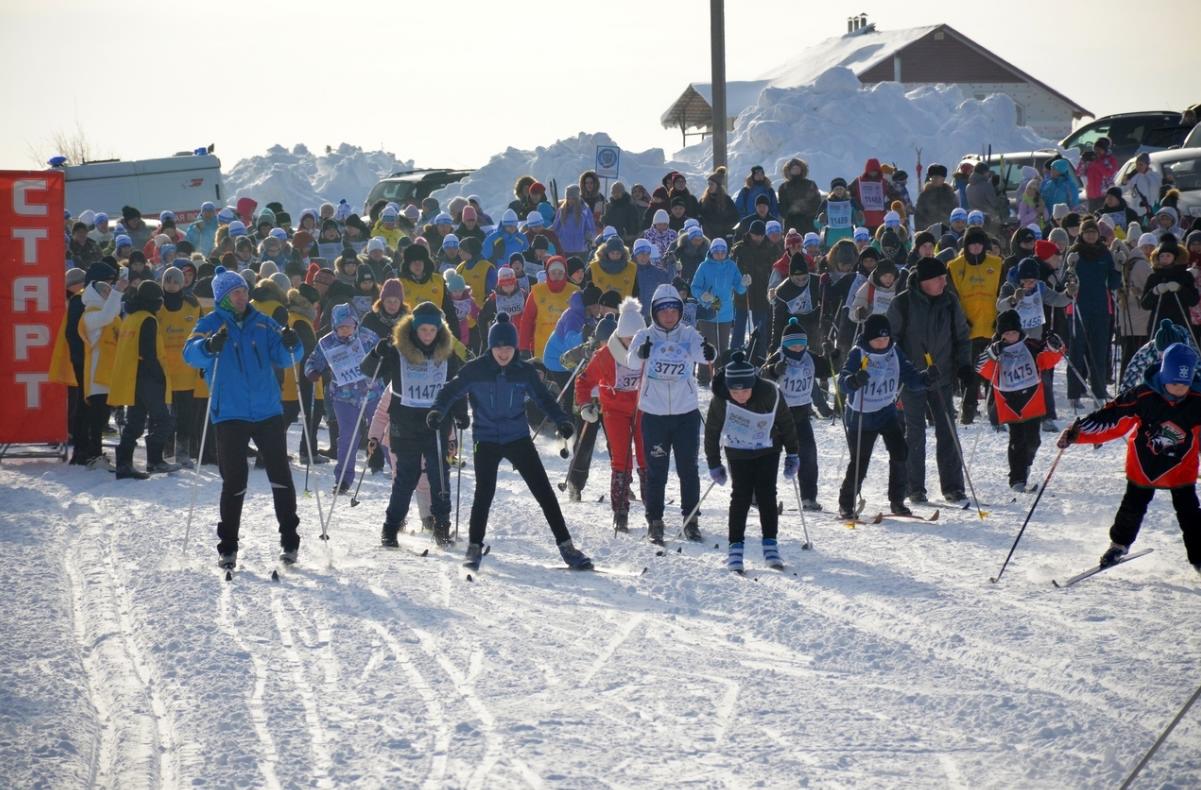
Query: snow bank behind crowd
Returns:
{"type": "Point", "coordinates": [837, 123]}
{"type": "Point", "coordinates": [300, 179]}
{"type": "Point", "coordinates": [563, 161]}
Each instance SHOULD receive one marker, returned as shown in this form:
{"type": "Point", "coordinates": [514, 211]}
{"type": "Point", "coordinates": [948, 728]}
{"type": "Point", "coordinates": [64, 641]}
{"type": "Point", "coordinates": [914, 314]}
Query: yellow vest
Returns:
{"type": "Point", "coordinates": [432, 290]}
{"type": "Point", "coordinates": [622, 282]}
{"type": "Point", "coordinates": [550, 306]}
{"type": "Point", "coordinates": [107, 348]}
{"type": "Point", "coordinates": [477, 278]}
{"type": "Point", "coordinates": [978, 288]}
{"type": "Point", "coordinates": [123, 389]}
{"type": "Point", "coordinates": [175, 327]}
{"type": "Point", "coordinates": [291, 392]}
{"type": "Point", "coordinates": [266, 306]}
{"type": "Point", "coordinates": [61, 370]}
{"type": "Point", "coordinates": [201, 388]}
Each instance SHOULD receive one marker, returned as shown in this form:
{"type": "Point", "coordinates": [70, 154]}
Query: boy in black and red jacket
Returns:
{"type": "Point", "coordinates": [1161, 452]}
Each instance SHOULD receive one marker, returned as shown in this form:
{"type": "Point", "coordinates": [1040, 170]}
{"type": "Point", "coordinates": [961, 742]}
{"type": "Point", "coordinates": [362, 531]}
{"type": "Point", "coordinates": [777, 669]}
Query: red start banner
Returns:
{"type": "Point", "coordinates": [32, 307]}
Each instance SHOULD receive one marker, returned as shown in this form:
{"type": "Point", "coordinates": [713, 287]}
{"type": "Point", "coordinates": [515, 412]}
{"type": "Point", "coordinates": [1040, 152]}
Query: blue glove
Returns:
{"type": "Point", "coordinates": [792, 464]}
{"type": "Point", "coordinates": [718, 475]}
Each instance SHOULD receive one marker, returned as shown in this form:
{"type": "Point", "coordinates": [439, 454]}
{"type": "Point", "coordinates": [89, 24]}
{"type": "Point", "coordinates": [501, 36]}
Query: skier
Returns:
{"type": "Point", "coordinates": [246, 405]}
{"type": "Point", "coordinates": [1161, 451]}
{"type": "Point", "coordinates": [1093, 267]}
{"type": "Point", "coordinates": [748, 417]}
{"type": "Point", "coordinates": [793, 367]}
{"type": "Point", "coordinates": [1014, 364]}
{"type": "Point", "coordinates": [302, 315]}
{"type": "Point", "coordinates": [870, 381]}
{"type": "Point", "coordinates": [497, 385]}
{"type": "Point", "coordinates": [667, 403]}
{"type": "Point", "coordinates": [416, 360]}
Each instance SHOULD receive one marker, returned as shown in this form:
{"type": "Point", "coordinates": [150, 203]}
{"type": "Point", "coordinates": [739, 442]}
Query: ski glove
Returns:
{"type": "Point", "coordinates": [566, 429]}
{"type": "Point", "coordinates": [462, 422]}
{"type": "Point", "coordinates": [590, 412]}
{"type": "Point", "coordinates": [707, 298]}
{"type": "Point", "coordinates": [1069, 435]}
{"type": "Point", "coordinates": [994, 350]}
{"type": "Point", "coordinates": [932, 373]}
{"type": "Point", "coordinates": [709, 351]}
{"type": "Point", "coordinates": [718, 475]}
{"type": "Point", "coordinates": [216, 341]}
{"type": "Point", "coordinates": [1164, 288]}
{"type": "Point", "coordinates": [1053, 341]}
{"type": "Point", "coordinates": [746, 280]}
{"type": "Point", "coordinates": [381, 348]}
{"type": "Point", "coordinates": [289, 338]}
{"type": "Point", "coordinates": [644, 350]}
{"type": "Point", "coordinates": [372, 446]}
{"type": "Point", "coordinates": [792, 465]}
{"type": "Point", "coordinates": [433, 419]}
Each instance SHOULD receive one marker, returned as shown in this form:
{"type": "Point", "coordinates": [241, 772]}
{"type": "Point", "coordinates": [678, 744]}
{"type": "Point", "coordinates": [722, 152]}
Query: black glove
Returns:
{"type": "Point", "coordinates": [994, 350]}
{"type": "Point", "coordinates": [525, 355]}
{"type": "Point", "coordinates": [381, 348]}
{"type": "Point", "coordinates": [586, 332]}
{"type": "Point", "coordinates": [566, 429]}
{"type": "Point", "coordinates": [462, 421]}
{"type": "Point", "coordinates": [433, 419]}
{"type": "Point", "coordinates": [967, 375]}
{"type": "Point", "coordinates": [1053, 341]}
{"type": "Point", "coordinates": [289, 338]}
{"type": "Point", "coordinates": [932, 373]}
{"type": "Point", "coordinates": [858, 379]}
{"type": "Point", "coordinates": [708, 351]}
{"type": "Point", "coordinates": [779, 368]}
{"type": "Point", "coordinates": [644, 350]}
{"type": "Point", "coordinates": [216, 341]}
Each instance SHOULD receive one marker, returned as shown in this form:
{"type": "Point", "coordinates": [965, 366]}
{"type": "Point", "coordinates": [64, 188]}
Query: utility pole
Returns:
{"type": "Point", "coordinates": [717, 48]}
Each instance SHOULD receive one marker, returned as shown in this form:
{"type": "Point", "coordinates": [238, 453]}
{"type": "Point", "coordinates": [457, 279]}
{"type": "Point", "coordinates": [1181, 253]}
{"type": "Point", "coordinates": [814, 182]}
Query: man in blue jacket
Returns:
{"type": "Point", "coordinates": [497, 384]}
{"type": "Point", "coordinates": [238, 349]}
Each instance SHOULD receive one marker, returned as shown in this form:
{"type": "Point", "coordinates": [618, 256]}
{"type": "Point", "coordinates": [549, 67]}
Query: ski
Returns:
{"type": "Point", "coordinates": [853, 522]}
{"type": "Point", "coordinates": [932, 517]}
{"type": "Point", "coordinates": [626, 572]}
{"type": "Point", "coordinates": [1098, 568]}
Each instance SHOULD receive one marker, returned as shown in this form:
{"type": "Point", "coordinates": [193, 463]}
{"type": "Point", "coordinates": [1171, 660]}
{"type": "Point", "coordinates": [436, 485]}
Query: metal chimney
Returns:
{"type": "Point", "coordinates": [851, 24]}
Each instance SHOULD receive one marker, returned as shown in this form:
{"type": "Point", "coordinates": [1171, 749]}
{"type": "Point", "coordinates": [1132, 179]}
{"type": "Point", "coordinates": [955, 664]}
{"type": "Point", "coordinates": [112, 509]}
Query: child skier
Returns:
{"type": "Point", "coordinates": [1160, 453]}
{"type": "Point", "coordinates": [748, 417]}
{"type": "Point", "coordinates": [497, 384]}
{"type": "Point", "coordinates": [870, 381]}
{"type": "Point", "coordinates": [1014, 366]}
{"type": "Point", "coordinates": [793, 368]}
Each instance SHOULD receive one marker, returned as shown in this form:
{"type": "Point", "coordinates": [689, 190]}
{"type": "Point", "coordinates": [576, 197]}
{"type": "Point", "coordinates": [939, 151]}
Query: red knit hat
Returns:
{"type": "Point", "coordinates": [314, 267]}
{"type": "Point", "coordinates": [1044, 249]}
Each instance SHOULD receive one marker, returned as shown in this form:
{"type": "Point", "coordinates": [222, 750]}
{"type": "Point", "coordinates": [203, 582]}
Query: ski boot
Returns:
{"type": "Point", "coordinates": [129, 473]}
{"type": "Point", "coordinates": [387, 536]}
{"type": "Point", "coordinates": [472, 560]}
{"type": "Point", "coordinates": [621, 522]}
{"type": "Point", "coordinates": [427, 523]}
{"type": "Point", "coordinates": [1197, 568]}
{"type": "Point", "coordinates": [162, 468]}
{"type": "Point", "coordinates": [654, 532]}
{"type": "Point", "coordinates": [442, 533]}
{"type": "Point", "coordinates": [811, 505]}
{"type": "Point", "coordinates": [771, 554]}
{"type": "Point", "coordinates": [1114, 553]}
{"type": "Point", "coordinates": [956, 497]}
{"type": "Point", "coordinates": [1050, 426]}
{"type": "Point", "coordinates": [734, 557]}
{"type": "Point", "coordinates": [100, 462]}
{"type": "Point", "coordinates": [846, 513]}
{"type": "Point", "coordinates": [899, 509]}
{"type": "Point", "coordinates": [692, 531]}
{"type": "Point", "coordinates": [228, 561]}
{"type": "Point", "coordinates": [575, 559]}
{"type": "Point", "coordinates": [574, 494]}
{"type": "Point", "coordinates": [288, 556]}
{"type": "Point", "coordinates": [918, 498]}
{"type": "Point", "coordinates": [186, 463]}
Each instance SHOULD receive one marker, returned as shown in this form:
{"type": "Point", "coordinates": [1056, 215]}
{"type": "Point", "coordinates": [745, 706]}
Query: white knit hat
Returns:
{"type": "Point", "coordinates": [660, 218]}
{"type": "Point", "coordinates": [629, 318]}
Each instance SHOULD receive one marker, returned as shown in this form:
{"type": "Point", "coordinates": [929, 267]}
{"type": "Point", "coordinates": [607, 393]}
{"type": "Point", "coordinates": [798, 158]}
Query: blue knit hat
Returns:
{"type": "Point", "coordinates": [342, 315]}
{"type": "Point", "coordinates": [426, 313]}
{"type": "Point", "coordinates": [224, 282]}
{"type": "Point", "coordinates": [502, 333]}
{"type": "Point", "coordinates": [1179, 365]}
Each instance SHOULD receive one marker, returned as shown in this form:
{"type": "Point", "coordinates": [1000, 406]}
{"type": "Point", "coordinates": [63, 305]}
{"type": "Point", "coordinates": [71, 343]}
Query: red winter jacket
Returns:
{"type": "Point", "coordinates": [601, 375]}
{"type": "Point", "coordinates": [1029, 403]}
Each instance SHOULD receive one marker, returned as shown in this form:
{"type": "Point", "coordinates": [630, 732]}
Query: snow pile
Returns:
{"type": "Point", "coordinates": [836, 123]}
{"type": "Point", "coordinates": [563, 161]}
{"type": "Point", "coordinates": [300, 179]}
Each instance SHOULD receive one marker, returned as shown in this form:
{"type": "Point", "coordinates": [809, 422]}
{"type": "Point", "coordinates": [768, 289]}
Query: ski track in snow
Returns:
{"type": "Point", "coordinates": [884, 657]}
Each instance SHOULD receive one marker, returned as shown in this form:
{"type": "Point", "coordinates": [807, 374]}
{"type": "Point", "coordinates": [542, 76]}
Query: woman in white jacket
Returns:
{"type": "Point", "coordinates": [98, 329]}
{"type": "Point", "coordinates": [671, 419]}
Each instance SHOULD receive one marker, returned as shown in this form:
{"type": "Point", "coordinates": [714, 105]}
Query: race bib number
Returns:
{"type": "Point", "coordinates": [1017, 369]}
{"type": "Point", "coordinates": [626, 379]}
{"type": "Point", "coordinates": [668, 362]}
{"type": "Point", "coordinates": [881, 300]}
{"type": "Point", "coordinates": [797, 382]}
{"type": "Point", "coordinates": [801, 304]}
{"type": "Point", "coordinates": [344, 360]}
{"type": "Point", "coordinates": [884, 379]}
{"type": "Point", "coordinates": [421, 382]}
{"type": "Point", "coordinates": [748, 430]}
{"type": "Point", "coordinates": [838, 214]}
{"type": "Point", "coordinates": [1030, 310]}
{"type": "Point", "coordinates": [512, 305]}
{"type": "Point", "coordinates": [871, 195]}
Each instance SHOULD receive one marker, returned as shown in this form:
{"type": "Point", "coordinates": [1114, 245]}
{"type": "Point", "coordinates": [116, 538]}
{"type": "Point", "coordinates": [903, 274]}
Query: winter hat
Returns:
{"type": "Point", "coordinates": [1059, 237]}
{"type": "Point", "coordinates": [889, 239]}
{"type": "Point", "coordinates": [325, 277]}
{"type": "Point", "coordinates": [609, 232]}
{"type": "Point", "coordinates": [679, 200]}
{"type": "Point", "coordinates": [416, 252]}
{"type": "Point", "coordinates": [876, 326]}
{"type": "Point", "coordinates": [364, 274]}
{"type": "Point", "coordinates": [505, 276]}
{"type": "Point", "coordinates": [392, 287]}
{"type": "Point", "coordinates": [574, 265]}
{"type": "Point", "coordinates": [150, 295]}
{"type": "Point", "coordinates": [556, 262]}
{"type": "Point", "coordinates": [1070, 220]}
{"type": "Point", "coordinates": [666, 298]}
{"type": "Point", "coordinates": [629, 317]}
{"type": "Point", "coordinates": [450, 242]}
{"type": "Point", "coordinates": [975, 218]}
{"type": "Point", "coordinates": [443, 219]}
{"type": "Point", "coordinates": [166, 217]}
{"type": "Point", "coordinates": [77, 276]}
{"type": "Point", "coordinates": [389, 213]}
{"type": "Point", "coordinates": [303, 295]}
{"type": "Point", "coordinates": [718, 245]}
{"type": "Point", "coordinates": [1147, 240]}
{"type": "Point", "coordinates": [1168, 333]}
{"type": "Point", "coordinates": [225, 281]}
{"type": "Point", "coordinates": [811, 240]}
{"type": "Point", "coordinates": [610, 298]}
{"type": "Point", "coordinates": [502, 333]}
{"type": "Point", "coordinates": [923, 237]}
{"type": "Point", "coordinates": [958, 214]}
{"type": "Point", "coordinates": [101, 218]}
{"type": "Point", "coordinates": [226, 215]}
{"type": "Point", "coordinates": [793, 335]}
{"type": "Point", "coordinates": [129, 212]}
{"type": "Point", "coordinates": [861, 234]}
{"type": "Point", "coordinates": [267, 268]}
{"type": "Point", "coordinates": [660, 218]}
{"type": "Point", "coordinates": [122, 241]}
{"type": "Point", "coordinates": [469, 213]}
{"type": "Point", "coordinates": [590, 295]}
{"type": "Point", "coordinates": [282, 280]}
{"type": "Point", "coordinates": [1059, 211]}
{"type": "Point", "coordinates": [1008, 321]}
{"type": "Point", "coordinates": [249, 276]}
{"type": "Point", "coordinates": [604, 329]}
{"type": "Point", "coordinates": [869, 252]}
{"type": "Point", "coordinates": [694, 232]}
{"type": "Point", "coordinates": [1178, 366]}
{"type": "Point", "coordinates": [426, 313]}
{"type": "Point", "coordinates": [509, 217]}
{"type": "Point", "coordinates": [947, 242]}
{"type": "Point", "coordinates": [764, 199]}
{"type": "Point", "coordinates": [411, 213]}
{"type": "Point", "coordinates": [1061, 166]}
{"type": "Point", "coordinates": [892, 219]}
{"type": "Point", "coordinates": [342, 315]}
{"type": "Point", "coordinates": [1035, 230]}
{"type": "Point", "coordinates": [1168, 244]}
{"type": "Point", "coordinates": [929, 268]}
{"type": "Point", "coordinates": [837, 181]}
{"type": "Point", "coordinates": [975, 235]}
{"type": "Point", "coordinates": [535, 220]}
{"type": "Point", "coordinates": [278, 233]}
{"type": "Point", "coordinates": [100, 271]}
{"type": "Point", "coordinates": [540, 243]}
{"type": "Point", "coordinates": [797, 264]}
{"type": "Point", "coordinates": [237, 228]}
{"type": "Point", "coordinates": [740, 374]}
{"type": "Point", "coordinates": [1029, 269]}
{"type": "Point", "coordinates": [614, 244]}
{"type": "Point", "coordinates": [454, 281]}
{"type": "Point", "coordinates": [936, 170]}
{"type": "Point", "coordinates": [173, 275]}
{"type": "Point", "coordinates": [1089, 224]}
{"type": "Point", "coordinates": [377, 243]}
{"type": "Point", "coordinates": [691, 222]}
{"type": "Point", "coordinates": [772, 227]}
{"type": "Point", "coordinates": [757, 228]}
{"type": "Point", "coordinates": [793, 236]}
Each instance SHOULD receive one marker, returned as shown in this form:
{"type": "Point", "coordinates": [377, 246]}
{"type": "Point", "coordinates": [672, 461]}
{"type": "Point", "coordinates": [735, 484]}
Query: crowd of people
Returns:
{"type": "Point", "coordinates": [606, 313]}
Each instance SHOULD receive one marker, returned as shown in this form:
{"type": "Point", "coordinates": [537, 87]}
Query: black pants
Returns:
{"type": "Point", "coordinates": [1024, 440]}
{"type": "Point", "coordinates": [753, 478]}
{"type": "Point", "coordinates": [182, 404]}
{"type": "Point", "coordinates": [149, 406]}
{"type": "Point", "coordinates": [525, 460]}
{"type": "Point", "coordinates": [77, 421]}
{"type": "Point", "coordinates": [1130, 344]}
{"type": "Point", "coordinates": [861, 455]}
{"type": "Point", "coordinates": [270, 437]}
{"type": "Point", "coordinates": [1089, 354]}
{"type": "Point", "coordinates": [581, 459]}
{"type": "Point", "coordinates": [92, 444]}
{"type": "Point", "coordinates": [919, 405]}
{"type": "Point", "coordinates": [409, 451]}
{"type": "Point", "coordinates": [1130, 514]}
{"type": "Point", "coordinates": [808, 454]}
{"type": "Point", "coordinates": [971, 395]}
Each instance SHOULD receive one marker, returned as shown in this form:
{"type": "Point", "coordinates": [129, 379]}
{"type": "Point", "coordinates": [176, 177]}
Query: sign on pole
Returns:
{"type": "Point", "coordinates": [608, 161]}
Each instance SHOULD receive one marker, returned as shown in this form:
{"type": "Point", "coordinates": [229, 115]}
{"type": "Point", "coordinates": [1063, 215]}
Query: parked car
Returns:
{"type": "Point", "coordinates": [1182, 167]}
{"type": "Point", "coordinates": [1131, 133]}
{"type": "Point", "coordinates": [1193, 140]}
{"type": "Point", "coordinates": [412, 186]}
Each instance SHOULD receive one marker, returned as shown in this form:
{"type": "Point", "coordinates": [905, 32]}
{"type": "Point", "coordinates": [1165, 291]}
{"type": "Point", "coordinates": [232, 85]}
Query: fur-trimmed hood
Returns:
{"type": "Point", "coordinates": [402, 339]}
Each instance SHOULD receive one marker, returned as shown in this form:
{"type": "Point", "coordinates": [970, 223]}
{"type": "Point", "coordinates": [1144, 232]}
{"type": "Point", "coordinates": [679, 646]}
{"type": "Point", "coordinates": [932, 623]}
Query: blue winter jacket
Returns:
{"type": "Point", "coordinates": [1060, 189]}
{"type": "Point", "coordinates": [509, 244]}
{"type": "Point", "coordinates": [649, 278]}
{"type": "Point", "coordinates": [745, 202]}
{"type": "Point", "coordinates": [203, 235]}
{"type": "Point", "coordinates": [911, 379]}
{"type": "Point", "coordinates": [568, 333]}
{"type": "Point", "coordinates": [723, 280]}
{"type": "Point", "coordinates": [245, 386]}
{"type": "Point", "coordinates": [497, 396]}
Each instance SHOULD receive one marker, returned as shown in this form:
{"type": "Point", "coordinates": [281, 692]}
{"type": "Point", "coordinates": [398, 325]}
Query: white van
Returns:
{"type": "Point", "coordinates": [179, 183]}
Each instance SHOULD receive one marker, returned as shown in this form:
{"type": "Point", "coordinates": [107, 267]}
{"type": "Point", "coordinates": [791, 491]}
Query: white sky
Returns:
{"type": "Point", "coordinates": [451, 83]}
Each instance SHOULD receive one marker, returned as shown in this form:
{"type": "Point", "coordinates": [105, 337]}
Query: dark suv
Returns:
{"type": "Point", "coordinates": [412, 186]}
{"type": "Point", "coordinates": [1131, 133]}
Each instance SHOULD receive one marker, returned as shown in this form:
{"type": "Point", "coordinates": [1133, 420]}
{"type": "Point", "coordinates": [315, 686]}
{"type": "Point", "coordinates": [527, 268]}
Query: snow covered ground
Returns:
{"type": "Point", "coordinates": [882, 658]}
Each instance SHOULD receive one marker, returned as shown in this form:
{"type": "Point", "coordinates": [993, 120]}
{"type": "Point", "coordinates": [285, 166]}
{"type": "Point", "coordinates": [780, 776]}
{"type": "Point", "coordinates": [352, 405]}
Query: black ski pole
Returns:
{"type": "Point", "coordinates": [942, 406]}
{"type": "Point", "coordinates": [1043, 488]}
{"type": "Point", "coordinates": [354, 498]}
{"type": "Point", "coordinates": [1159, 741]}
